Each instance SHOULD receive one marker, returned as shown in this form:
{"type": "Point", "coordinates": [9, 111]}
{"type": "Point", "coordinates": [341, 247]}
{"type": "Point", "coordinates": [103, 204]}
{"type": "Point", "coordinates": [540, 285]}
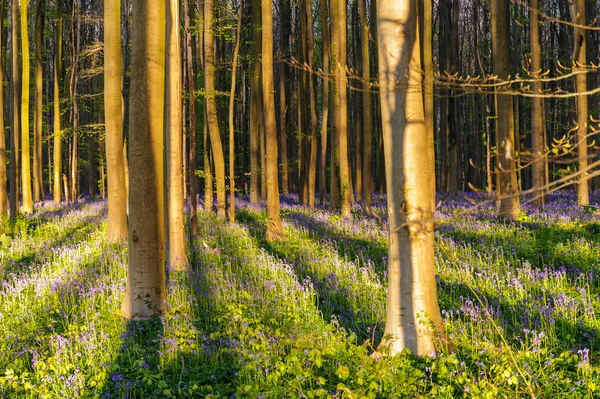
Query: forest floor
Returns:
{"type": "Point", "coordinates": [300, 317]}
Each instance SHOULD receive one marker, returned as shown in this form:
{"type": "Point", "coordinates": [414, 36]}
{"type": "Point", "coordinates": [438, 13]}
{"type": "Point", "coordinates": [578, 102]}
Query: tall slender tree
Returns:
{"type": "Point", "coordinates": [255, 102]}
{"type": "Point", "coordinates": [413, 317]}
{"type": "Point", "coordinates": [189, 58]}
{"type": "Point", "coordinates": [505, 123]}
{"type": "Point", "coordinates": [367, 179]}
{"type": "Point", "coordinates": [14, 111]}
{"type": "Point", "coordinates": [38, 181]}
{"type": "Point", "coordinates": [234, 66]}
{"type": "Point", "coordinates": [342, 110]}
{"type": "Point", "coordinates": [274, 226]}
{"type": "Point", "coordinates": [57, 142]}
{"type": "Point", "coordinates": [284, 38]}
{"type": "Point", "coordinates": [577, 8]}
{"type": "Point", "coordinates": [211, 105]}
{"type": "Point", "coordinates": [325, 113]}
{"type": "Point", "coordinates": [174, 141]}
{"type": "Point", "coordinates": [145, 292]}
{"type": "Point", "coordinates": [113, 116]}
{"type": "Point", "coordinates": [537, 109]}
{"type": "Point", "coordinates": [3, 174]}
{"type": "Point", "coordinates": [27, 205]}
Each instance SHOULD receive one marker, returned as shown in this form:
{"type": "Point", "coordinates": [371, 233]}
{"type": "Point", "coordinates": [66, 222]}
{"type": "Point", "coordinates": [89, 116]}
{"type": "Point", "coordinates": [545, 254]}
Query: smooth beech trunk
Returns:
{"type": "Point", "coordinates": [539, 159]}
{"type": "Point", "coordinates": [274, 226]}
{"type": "Point", "coordinates": [38, 180]}
{"type": "Point", "coordinates": [14, 113]}
{"type": "Point", "coordinates": [428, 89]}
{"type": "Point", "coordinates": [145, 292]}
{"type": "Point", "coordinates": [341, 114]}
{"type": "Point", "coordinates": [174, 141]}
{"type": "Point", "coordinates": [577, 8]}
{"type": "Point", "coordinates": [255, 102]}
{"type": "Point", "coordinates": [113, 116]}
{"type": "Point", "coordinates": [3, 174]}
{"type": "Point", "coordinates": [232, 117]}
{"type": "Point", "coordinates": [325, 113]}
{"type": "Point", "coordinates": [57, 142]}
{"type": "Point", "coordinates": [213, 123]}
{"type": "Point", "coordinates": [27, 206]}
{"type": "Point", "coordinates": [367, 180]}
{"type": "Point", "coordinates": [189, 60]}
{"type": "Point", "coordinates": [413, 317]}
{"type": "Point", "coordinates": [312, 166]}
{"type": "Point", "coordinates": [505, 122]}
{"type": "Point", "coordinates": [284, 37]}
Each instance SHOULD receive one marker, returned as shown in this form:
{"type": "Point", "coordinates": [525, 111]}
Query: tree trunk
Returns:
{"type": "Point", "coordinates": [145, 292]}
{"type": "Point", "coordinates": [3, 175]}
{"type": "Point", "coordinates": [274, 227]}
{"type": "Point", "coordinates": [27, 205]}
{"type": "Point", "coordinates": [413, 317]}
{"type": "Point", "coordinates": [577, 8]}
{"type": "Point", "coordinates": [428, 89]}
{"type": "Point", "coordinates": [312, 166]}
{"type": "Point", "coordinates": [57, 143]}
{"type": "Point", "coordinates": [505, 131]}
{"type": "Point", "coordinates": [73, 86]}
{"type": "Point", "coordinates": [38, 180]}
{"type": "Point", "coordinates": [231, 117]}
{"type": "Point", "coordinates": [113, 117]}
{"type": "Point", "coordinates": [334, 202]}
{"type": "Point", "coordinates": [367, 180]}
{"type": "Point", "coordinates": [342, 111]}
{"type": "Point", "coordinates": [213, 123]}
{"type": "Point", "coordinates": [175, 225]}
{"type": "Point", "coordinates": [284, 32]}
{"type": "Point", "coordinates": [537, 112]}
{"type": "Point", "coordinates": [255, 103]}
{"type": "Point", "coordinates": [325, 114]}
{"type": "Point", "coordinates": [193, 119]}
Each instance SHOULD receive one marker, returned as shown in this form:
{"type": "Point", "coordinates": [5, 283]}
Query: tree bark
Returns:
{"type": "Point", "coordinates": [342, 112]}
{"type": "Point", "coordinates": [232, 117]}
{"type": "Point", "coordinates": [145, 292]}
{"type": "Point", "coordinates": [537, 111]}
{"type": "Point", "coordinates": [325, 113]}
{"type": "Point", "coordinates": [175, 225]}
{"type": "Point", "coordinates": [577, 8]}
{"type": "Point", "coordinates": [312, 167]}
{"type": "Point", "coordinates": [73, 87]}
{"type": "Point", "coordinates": [113, 117]}
{"type": "Point", "coordinates": [193, 119]}
{"type": "Point", "coordinates": [213, 123]}
{"type": "Point", "coordinates": [27, 206]}
{"type": "Point", "coordinates": [413, 317]}
{"type": "Point", "coordinates": [38, 180]}
{"type": "Point", "coordinates": [285, 14]}
{"type": "Point", "coordinates": [274, 226]}
{"type": "Point", "coordinates": [367, 181]}
{"type": "Point", "coordinates": [57, 143]}
{"type": "Point", "coordinates": [255, 102]}
{"type": "Point", "coordinates": [428, 100]}
{"type": "Point", "coordinates": [505, 122]}
{"type": "Point", "coordinates": [3, 174]}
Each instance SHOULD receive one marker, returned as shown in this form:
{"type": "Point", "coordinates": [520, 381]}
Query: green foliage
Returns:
{"type": "Point", "coordinates": [299, 318]}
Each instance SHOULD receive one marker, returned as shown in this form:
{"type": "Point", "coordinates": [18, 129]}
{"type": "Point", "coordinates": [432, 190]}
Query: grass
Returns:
{"type": "Point", "coordinates": [300, 317]}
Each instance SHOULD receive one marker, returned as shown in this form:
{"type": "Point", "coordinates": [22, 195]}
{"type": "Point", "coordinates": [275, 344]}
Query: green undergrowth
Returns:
{"type": "Point", "coordinates": [297, 318]}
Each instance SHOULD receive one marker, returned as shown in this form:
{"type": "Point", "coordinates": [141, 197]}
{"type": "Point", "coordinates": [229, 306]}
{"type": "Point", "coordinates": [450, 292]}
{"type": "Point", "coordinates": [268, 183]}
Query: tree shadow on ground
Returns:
{"type": "Point", "coordinates": [333, 295]}
{"type": "Point", "coordinates": [542, 249]}
{"type": "Point", "coordinates": [32, 260]}
{"type": "Point", "coordinates": [347, 246]}
{"type": "Point", "coordinates": [516, 320]}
